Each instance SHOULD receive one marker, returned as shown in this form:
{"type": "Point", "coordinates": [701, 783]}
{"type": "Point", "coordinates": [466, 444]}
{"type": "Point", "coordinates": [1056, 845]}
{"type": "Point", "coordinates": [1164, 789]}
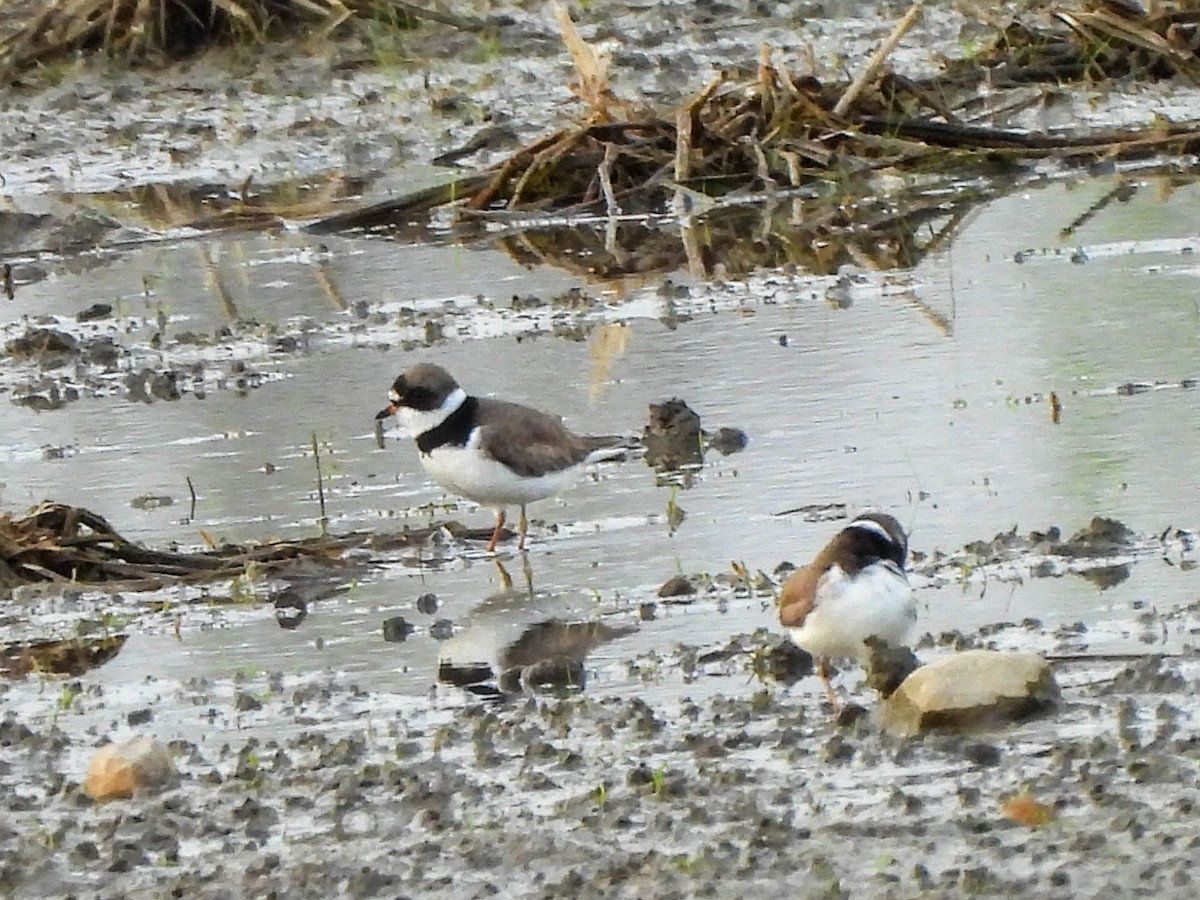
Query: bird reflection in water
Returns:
{"type": "Point", "coordinates": [546, 656]}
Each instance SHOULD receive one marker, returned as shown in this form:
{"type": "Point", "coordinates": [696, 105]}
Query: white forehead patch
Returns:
{"type": "Point", "coordinates": [393, 396]}
{"type": "Point", "coordinates": [872, 525]}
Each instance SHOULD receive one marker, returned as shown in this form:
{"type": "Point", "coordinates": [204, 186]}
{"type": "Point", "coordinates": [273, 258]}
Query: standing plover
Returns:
{"type": "Point", "coordinates": [854, 589]}
{"type": "Point", "coordinates": [493, 452]}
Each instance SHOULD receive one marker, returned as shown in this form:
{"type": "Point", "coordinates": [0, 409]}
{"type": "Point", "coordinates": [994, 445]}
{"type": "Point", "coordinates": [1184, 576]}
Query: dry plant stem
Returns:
{"type": "Point", "coordinates": [611, 244]}
{"type": "Point", "coordinates": [763, 167]}
{"type": "Point", "coordinates": [877, 58]}
{"type": "Point", "coordinates": [605, 172]}
{"type": "Point", "coordinates": [192, 493]}
{"type": "Point", "coordinates": [543, 161]}
{"type": "Point", "coordinates": [213, 279]}
{"type": "Point", "coordinates": [766, 82]}
{"type": "Point", "coordinates": [691, 247]}
{"type": "Point", "coordinates": [518, 162]}
{"type": "Point", "coordinates": [795, 175]}
{"type": "Point", "coordinates": [683, 144]}
{"type": "Point", "coordinates": [328, 288]}
{"type": "Point", "coordinates": [785, 79]}
{"type": "Point", "coordinates": [1102, 28]}
{"type": "Point", "coordinates": [335, 15]}
{"type": "Point", "coordinates": [591, 68]}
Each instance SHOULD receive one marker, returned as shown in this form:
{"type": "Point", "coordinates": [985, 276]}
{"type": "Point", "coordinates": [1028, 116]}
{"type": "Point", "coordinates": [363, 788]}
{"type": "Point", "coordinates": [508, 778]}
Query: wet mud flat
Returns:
{"type": "Point", "coordinates": [699, 770]}
{"type": "Point", "coordinates": [325, 789]}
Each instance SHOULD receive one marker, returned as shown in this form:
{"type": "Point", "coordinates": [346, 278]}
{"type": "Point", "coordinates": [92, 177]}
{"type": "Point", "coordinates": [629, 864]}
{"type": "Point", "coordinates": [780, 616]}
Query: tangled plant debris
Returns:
{"type": "Point", "coordinates": [826, 142]}
{"type": "Point", "coordinates": [877, 171]}
{"type": "Point", "coordinates": [139, 30]}
{"type": "Point", "coordinates": [64, 544]}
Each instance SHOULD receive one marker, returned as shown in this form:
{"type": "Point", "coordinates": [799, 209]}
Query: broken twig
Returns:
{"type": "Point", "coordinates": [877, 59]}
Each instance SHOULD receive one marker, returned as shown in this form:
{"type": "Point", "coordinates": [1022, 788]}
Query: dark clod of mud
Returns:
{"type": "Point", "coordinates": [848, 716]}
{"type": "Point", "coordinates": [291, 609]}
{"type": "Point", "coordinates": [71, 657]}
{"type": "Point", "coordinates": [427, 604]}
{"type": "Point", "coordinates": [441, 630]}
{"type": "Point", "coordinates": [396, 629]}
{"type": "Point", "coordinates": [786, 663]}
{"type": "Point", "coordinates": [47, 346]}
{"type": "Point", "coordinates": [679, 586]}
{"type": "Point", "coordinates": [94, 313]}
{"type": "Point", "coordinates": [1101, 536]}
{"type": "Point", "coordinates": [672, 436]}
{"type": "Point", "coordinates": [888, 665]}
{"type": "Point", "coordinates": [464, 674]}
{"type": "Point", "coordinates": [727, 441]}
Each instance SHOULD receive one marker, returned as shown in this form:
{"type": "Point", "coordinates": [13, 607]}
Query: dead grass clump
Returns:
{"type": "Point", "coordinates": [1106, 39]}
{"type": "Point", "coordinates": [784, 129]}
{"type": "Point", "coordinates": [65, 544]}
{"type": "Point", "coordinates": [141, 30]}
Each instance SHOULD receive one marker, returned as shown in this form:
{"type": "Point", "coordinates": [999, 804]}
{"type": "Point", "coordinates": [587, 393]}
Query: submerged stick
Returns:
{"type": "Point", "coordinates": [320, 482]}
{"type": "Point", "coordinates": [192, 492]}
{"type": "Point", "coordinates": [877, 59]}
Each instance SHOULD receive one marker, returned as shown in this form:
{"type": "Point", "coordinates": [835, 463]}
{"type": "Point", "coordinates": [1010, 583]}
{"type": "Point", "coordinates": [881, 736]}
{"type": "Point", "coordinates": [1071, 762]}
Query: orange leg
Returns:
{"type": "Point", "coordinates": [824, 671]}
{"type": "Point", "coordinates": [491, 545]}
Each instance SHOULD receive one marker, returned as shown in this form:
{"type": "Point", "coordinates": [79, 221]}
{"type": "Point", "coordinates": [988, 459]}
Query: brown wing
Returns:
{"type": "Point", "coordinates": [798, 595]}
{"type": "Point", "coordinates": [800, 590]}
{"type": "Point", "coordinates": [529, 441]}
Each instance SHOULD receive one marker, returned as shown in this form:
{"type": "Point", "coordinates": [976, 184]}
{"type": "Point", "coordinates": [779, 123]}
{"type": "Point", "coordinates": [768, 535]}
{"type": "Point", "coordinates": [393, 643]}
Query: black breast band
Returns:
{"type": "Point", "coordinates": [455, 429]}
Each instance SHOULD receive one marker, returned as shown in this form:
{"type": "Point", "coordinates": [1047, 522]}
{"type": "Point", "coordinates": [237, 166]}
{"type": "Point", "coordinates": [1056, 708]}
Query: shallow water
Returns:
{"type": "Point", "coordinates": [922, 393]}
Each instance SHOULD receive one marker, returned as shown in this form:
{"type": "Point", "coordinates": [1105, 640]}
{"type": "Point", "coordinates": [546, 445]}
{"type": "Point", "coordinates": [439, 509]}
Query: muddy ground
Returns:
{"type": "Point", "coordinates": [349, 794]}
{"type": "Point", "coordinates": [319, 759]}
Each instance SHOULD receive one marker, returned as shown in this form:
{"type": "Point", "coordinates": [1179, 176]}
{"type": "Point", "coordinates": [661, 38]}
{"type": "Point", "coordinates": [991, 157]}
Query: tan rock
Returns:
{"type": "Point", "coordinates": [972, 689]}
{"type": "Point", "coordinates": [118, 771]}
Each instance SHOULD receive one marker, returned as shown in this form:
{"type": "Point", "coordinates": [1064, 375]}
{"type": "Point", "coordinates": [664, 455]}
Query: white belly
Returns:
{"type": "Point", "coordinates": [470, 474]}
{"type": "Point", "coordinates": [876, 603]}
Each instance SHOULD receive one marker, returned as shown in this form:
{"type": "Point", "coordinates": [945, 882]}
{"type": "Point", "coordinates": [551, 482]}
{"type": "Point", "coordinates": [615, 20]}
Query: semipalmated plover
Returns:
{"type": "Point", "coordinates": [496, 453]}
{"type": "Point", "coordinates": [854, 589]}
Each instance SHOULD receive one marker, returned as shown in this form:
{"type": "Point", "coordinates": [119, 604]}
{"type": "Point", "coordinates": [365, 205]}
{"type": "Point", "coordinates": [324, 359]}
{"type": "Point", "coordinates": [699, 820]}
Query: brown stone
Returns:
{"type": "Point", "coordinates": [118, 771]}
